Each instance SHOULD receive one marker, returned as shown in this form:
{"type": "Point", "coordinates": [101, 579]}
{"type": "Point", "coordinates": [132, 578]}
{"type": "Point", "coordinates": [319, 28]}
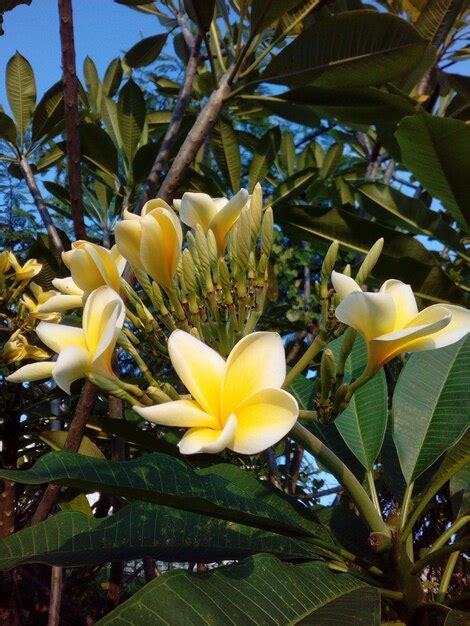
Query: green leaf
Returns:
{"type": "Point", "coordinates": [53, 155]}
{"type": "Point", "coordinates": [21, 91]}
{"type": "Point", "coordinates": [370, 48]}
{"type": "Point", "coordinates": [112, 78]}
{"type": "Point", "coordinates": [408, 212]}
{"type": "Point", "coordinates": [265, 13]}
{"type": "Point", "coordinates": [259, 590]}
{"type": "Point", "coordinates": [48, 116]}
{"type": "Point", "coordinates": [431, 406]}
{"type": "Point", "coordinates": [131, 117]}
{"type": "Point", "coordinates": [145, 51]}
{"type": "Point", "coordinates": [368, 105]}
{"type": "Point", "coordinates": [266, 151]}
{"type": "Point", "coordinates": [437, 18]}
{"type": "Point", "coordinates": [363, 423]}
{"type": "Point", "coordinates": [157, 478]}
{"type": "Point", "coordinates": [109, 114]}
{"type": "Point", "coordinates": [459, 490]}
{"type": "Point", "coordinates": [98, 148]}
{"type": "Point", "coordinates": [297, 113]}
{"type": "Point", "coordinates": [436, 151]}
{"type": "Point", "coordinates": [93, 84]}
{"type": "Point", "coordinates": [331, 160]}
{"type": "Point", "coordinates": [201, 12]}
{"type": "Point", "coordinates": [56, 440]}
{"type": "Point", "coordinates": [403, 258]}
{"type": "Point", "coordinates": [140, 529]}
{"type": "Point", "coordinates": [293, 186]}
{"type": "Point", "coordinates": [227, 152]}
{"type": "Point", "coordinates": [7, 128]}
{"type": "Point", "coordinates": [143, 160]}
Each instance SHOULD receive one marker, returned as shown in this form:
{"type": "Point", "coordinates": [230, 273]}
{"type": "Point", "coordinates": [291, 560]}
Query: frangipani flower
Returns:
{"type": "Point", "coordinates": [27, 271]}
{"type": "Point", "coordinates": [33, 304]}
{"type": "Point", "coordinates": [216, 214]}
{"type": "Point", "coordinates": [92, 266]}
{"type": "Point", "coordinates": [390, 323]}
{"type": "Point", "coordinates": [17, 348]}
{"type": "Point", "coordinates": [152, 241]}
{"type": "Point", "coordinates": [68, 296]}
{"type": "Point", "coordinates": [238, 403]}
{"type": "Point", "coordinates": [81, 350]}
{"type": "Point", "coordinates": [5, 262]}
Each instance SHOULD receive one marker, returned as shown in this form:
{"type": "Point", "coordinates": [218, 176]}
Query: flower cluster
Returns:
{"type": "Point", "coordinates": [196, 293]}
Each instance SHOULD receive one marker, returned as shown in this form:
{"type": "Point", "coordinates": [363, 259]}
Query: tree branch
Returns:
{"type": "Point", "coordinates": [28, 176]}
{"type": "Point", "coordinates": [72, 443]}
{"type": "Point", "coordinates": [71, 116]}
{"type": "Point", "coordinates": [174, 125]}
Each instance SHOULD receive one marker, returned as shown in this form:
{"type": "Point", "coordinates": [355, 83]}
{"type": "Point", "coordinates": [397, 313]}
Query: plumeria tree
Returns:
{"type": "Point", "coordinates": [179, 351]}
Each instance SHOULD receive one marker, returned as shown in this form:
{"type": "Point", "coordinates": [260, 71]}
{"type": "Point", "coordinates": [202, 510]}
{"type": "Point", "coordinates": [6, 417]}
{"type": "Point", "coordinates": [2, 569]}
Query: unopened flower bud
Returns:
{"type": "Point", "coordinates": [267, 231]}
{"type": "Point", "coordinates": [369, 262]}
{"type": "Point", "coordinates": [327, 374]}
{"type": "Point", "coordinates": [189, 271]}
{"type": "Point", "coordinates": [201, 245]}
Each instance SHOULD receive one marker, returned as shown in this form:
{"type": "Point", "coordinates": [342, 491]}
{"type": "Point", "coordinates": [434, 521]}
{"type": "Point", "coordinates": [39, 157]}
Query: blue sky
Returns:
{"type": "Point", "coordinates": [103, 30]}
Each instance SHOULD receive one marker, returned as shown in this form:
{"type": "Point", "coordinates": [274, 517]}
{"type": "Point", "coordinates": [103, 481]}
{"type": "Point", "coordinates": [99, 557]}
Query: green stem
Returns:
{"type": "Point", "coordinates": [314, 348]}
{"type": "Point", "coordinates": [447, 576]}
{"type": "Point", "coordinates": [444, 538]}
{"type": "Point", "coordinates": [405, 507]}
{"type": "Point", "coordinates": [344, 476]}
{"type": "Point", "coordinates": [373, 491]}
{"type": "Point", "coordinates": [309, 416]}
{"type": "Point", "coordinates": [430, 557]}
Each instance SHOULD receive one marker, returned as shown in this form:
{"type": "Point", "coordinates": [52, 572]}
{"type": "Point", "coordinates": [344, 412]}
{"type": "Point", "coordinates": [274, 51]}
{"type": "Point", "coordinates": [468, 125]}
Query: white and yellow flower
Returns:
{"type": "Point", "coordinates": [216, 214]}
{"type": "Point", "coordinates": [238, 403]}
{"type": "Point", "coordinates": [80, 350]}
{"type": "Point", "coordinates": [92, 266]}
{"type": "Point", "coordinates": [390, 323]}
{"type": "Point", "coordinates": [37, 300]}
{"type": "Point", "coordinates": [152, 241]}
{"type": "Point", "coordinates": [27, 271]}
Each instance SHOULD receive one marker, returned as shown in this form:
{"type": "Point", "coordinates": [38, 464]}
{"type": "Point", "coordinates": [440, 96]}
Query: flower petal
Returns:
{"type": "Point", "coordinates": [160, 249]}
{"type": "Point", "coordinates": [155, 203]}
{"type": "Point", "coordinates": [72, 363]}
{"type": "Point", "coordinates": [197, 208]}
{"type": "Point", "coordinates": [128, 236]}
{"type": "Point", "coordinates": [257, 362]}
{"type": "Point", "coordinates": [224, 219]}
{"type": "Point", "coordinates": [59, 336]}
{"type": "Point", "coordinates": [181, 413]}
{"type": "Point", "coordinates": [198, 440]}
{"type": "Point", "coordinates": [200, 368]}
{"type": "Point", "coordinates": [61, 303]}
{"type": "Point", "coordinates": [118, 259]}
{"type": "Point", "coordinates": [67, 286]}
{"type": "Point", "coordinates": [263, 419]}
{"type": "Point", "coordinates": [103, 317]}
{"type": "Point", "coordinates": [343, 285]}
{"type": "Point", "coordinates": [31, 372]}
{"type": "Point", "coordinates": [387, 346]}
{"type": "Point", "coordinates": [405, 303]}
{"type": "Point", "coordinates": [371, 314]}
{"type": "Point", "coordinates": [458, 327]}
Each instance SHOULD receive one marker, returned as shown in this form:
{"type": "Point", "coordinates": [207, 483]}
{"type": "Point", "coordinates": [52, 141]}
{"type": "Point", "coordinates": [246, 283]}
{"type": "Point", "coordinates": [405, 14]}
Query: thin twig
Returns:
{"type": "Point", "coordinates": [28, 176]}
{"type": "Point", "coordinates": [56, 596]}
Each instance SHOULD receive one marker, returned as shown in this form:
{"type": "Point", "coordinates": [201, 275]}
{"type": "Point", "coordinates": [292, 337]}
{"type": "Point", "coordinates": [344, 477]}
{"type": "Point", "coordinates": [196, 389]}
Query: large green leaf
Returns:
{"type": "Point", "coordinates": [145, 51]}
{"type": "Point", "coordinates": [49, 113]}
{"type": "Point", "coordinates": [431, 406]}
{"type": "Point", "coordinates": [363, 423]}
{"type": "Point", "coordinates": [370, 48]}
{"type": "Point", "coordinates": [437, 18]}
{"type": "Point", "coordinates": [293, 185]}
{"type": "Point", "coordinates": [93, 84]}
{"type": "Point", "coordinates": [7, 128]}
{"type": "Point", "coordinates": [436, 151]}
{"type": "Point", "coordinates": [21, 91]}
{"type": "Point", "coordinates": [455, 460]}
{"type": "Point", "coordinates": [161, 479]}
{"type": "Point", "coordinates": [403, 258]}
{"type": "Point", "coordinates": [398, 209]}
{"type": "Point", "coordinates": [98, 148]}
{"type": "Point", "coordinates": [112, 78]}
{"type": "Point", "coordinates": [265, 13]}
{"type": "Point", "coordinates": [140, 529]}
{"type": "Point", "coordinates": [297, 113]}
{"type": "Point", "coordinates": [368, 105]}
{"type": "Point", "coordinates": [261, 590]}
{"type": "Point", "coordinates": [227, 152]}
{"type": "Point", "coordinates": [131, 117]}
{"type": "Point", "coordinates": [266, 151]}
{"type": "Point", "coordinates": [201, 12]}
